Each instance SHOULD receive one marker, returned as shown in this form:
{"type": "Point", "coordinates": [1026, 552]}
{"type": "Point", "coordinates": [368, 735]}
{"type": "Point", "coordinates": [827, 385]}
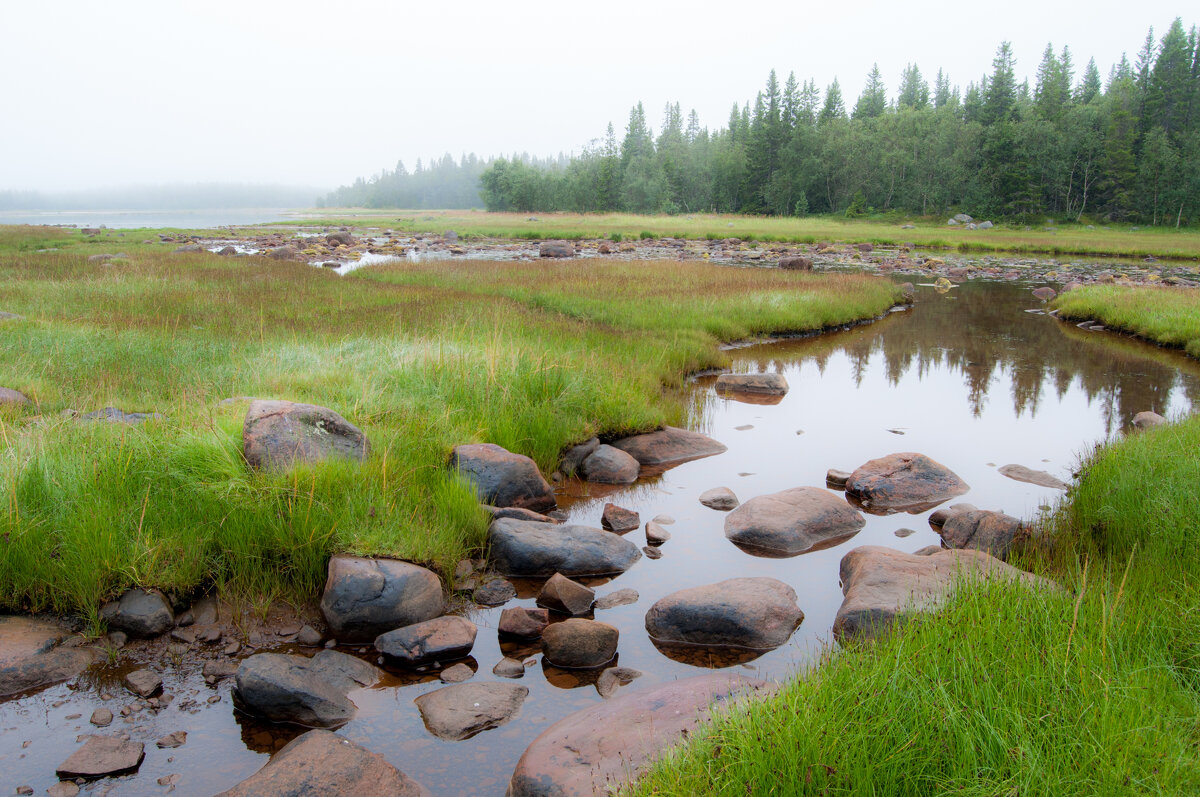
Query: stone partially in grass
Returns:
{"type": "Point", "coordinates": [502, 478]}
{"type": "Point", "coordinates": [139, 613]}
{"type": "Point", "coordinates": [983, 530]}
{"type": "Point", "coordinates": [279, 434]}
{"type": "Point", "coordinates": [608, 465]}
{"type": "Point", "coordinates": [669, 446]}
{"type": "Point", "coordinates": [12, 398]}
{"type": "Point", "coordinates": [530, 550]}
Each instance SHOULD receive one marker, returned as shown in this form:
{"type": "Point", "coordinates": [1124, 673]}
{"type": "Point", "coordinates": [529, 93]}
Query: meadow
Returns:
{"type": "Point", "coordinates": [1167, 316]}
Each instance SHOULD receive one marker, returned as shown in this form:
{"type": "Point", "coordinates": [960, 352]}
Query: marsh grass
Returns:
{"type": "Point", "coordinates": [1170, 316]}
{"type": "Point", "coordinates": [533, 357]}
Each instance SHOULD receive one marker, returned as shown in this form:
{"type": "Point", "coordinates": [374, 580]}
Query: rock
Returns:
{"type": "Point", "coordinates": [523, 623]}
{"type": "Point", "coordinates": [114, 415]}
{"type": "Point", "coordinates": [139, 613]}
{"type": "Point", "coordinates": [612, 600]}
{"type": "Point", "coordinates": [882, 585]}
{"type": "Point", "coordinates": [904, 482]}
{"type": "Point", "coordinates": [573, 459]}
{"type": "Point", "coordinates": [441, 639]}
{"type": "Point", "coordinates": [323, 763]}
{"type": "Point", "coordinates": [530, 550]}
{"type": "Point", "coordinates": [1039, 477]}
{"type": "Point", "coordinates": [603, 248]}
{"type": "Point", "coordinates": [1044, 293]}
{"type": "Point", "coordinates": [518, 513]}
{"type": "Point", "coordinates": [556, 249]}
{"type": "Point", "coordinates": [669, 446]}
{"type": "Point", "coordinates": [309, 637]}
{"type": "Point", "coordinates": [279, 434]}
{"type": "Point", "coordinates": [227, 251]}
{"type": "Point", "coordinates": [457, 673]}
{"type": "Point", "coordinates": [608, 465]}
{"type": "Point", "coordinates": [754, 613]}
{"type": "Point", "coordinates": [952, 222]}
{"type": "Point", "coordinates": [561, 594]}
{"type": "Point", "coordinates": [656, 534]}
{"type": "Point", "coordinates": [217, 669]}
{"type": "Point", "coordinates": [603, 747]}
{"type": "Point", "coordinates": [615, 677]}
{"type": "Point", "coordinates": [963, 218]}
{"type": "Point", "coordinates": [836, 479]}
{"type": "Point", "coordinates": [509, 668]}
{"type": "Point", "coordinates": [32, 654]}
{"type": "Point", "coordinates": [340, 239]}
{"type": "Point", "coordinates": [294, 689]}
{"type": "Point", "coordinates": [495, 592]}
{"type": "Point", "coordinates": [793, 521]}
{"type": "Point", "coordinates": [619, 519]}
{"type": "Point", "coordinates": [459, 712]}
{"type": "Point", "coordinates": [283, 253]}
{"type": "Point", "coordinates": [983, 530]}
{"type": "Point", "coordinates": [172, 740]}
{"type": "Point", "coordinates": [652, 551]}
{"type": "Point", "coordinates": [366, 597]}
{"type": "Point", "coordinates": [721, 498]}
{"type": "Point", "coordinates": [502, 478]}
{"type": "Point", "coordinates": [143, 683]}
{"type": "Point", "coordinates": [101, 718]}
{"type": "Point", "coordinates": [11, 317]}
{"type": "Point", "coordinates": [102, 756]}
{"type": "Point", "coordinates": [1148, 420]}
{"type": "Point", "coordinates": [796, 263]}
{"type": "Point", "coordinates": [986, 225]}
{"type": "Point", "coordinates": [188, 249]}
{"type": "Point", "coordinates": [579, 644]}
{"type": "Point", "coordinates": [939, 517]}
{"type": "Point", "coordinates": [760, 384]}
{"type": "Point", "coordinates": [12, 398]}
{"type": "Point", "coordinates": [906, 532]}
{"type": "Point", "coordinates": [64, 788]}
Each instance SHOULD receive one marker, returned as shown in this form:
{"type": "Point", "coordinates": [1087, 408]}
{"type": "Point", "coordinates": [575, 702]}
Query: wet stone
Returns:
{"type": "Point", "coordinates": [792, 522]}
{"type": "Point", "coordinates": [608, 465]}
{"type": "Point", "coordinates": [904, 482]}
{"type": "Point", "coordinates": [496, 592]}
{"type": "Point", "coordinates": [656, 534]}
{"type": "Point", "coordinates": [440, 639]}
{"type": "Point", "coordinates": [308, 637]}
{"type": "Point", "coordinates": [719, 498]}
{"type": "Point", "coordinates": [614, 678]}
{"type": "Point", "coordinates": [621, 597]}
{"type": "Point", "coordinates": [366, 597]}
{"type": "Point", "coordinates": [143, 682]}
{"type": "Point", "coordinates": [561, 594]}
{"type": "Point", "coordinates": [461, 711]}
{"type": "Point", "coordinates": [101, 718]}
{"type": "Point", "coordinates": [139, 613]}
{"type": "Point", "coordinates": [1030, 476]}
{"type": "Point", "coordinates": [509, 668]}
{"type": "Point", "coordinates": [64, 788]}
{"type": "Point", "coordinates": [102, 756]}
{"type": "Point", "coordinates": [523, 623]}
{"type": "Point", "coordinates": [757, 613]}
{"type": "Point", "coordinates": [619, 519]}
{"type": "Point", "coordinates": [172, 740]}
{"type": "Point", "coordinates": [579, 644]}
{"type": "Point", "coordinates": [652, 552]}
{"type": "Point", "coordinates": [457, 674]}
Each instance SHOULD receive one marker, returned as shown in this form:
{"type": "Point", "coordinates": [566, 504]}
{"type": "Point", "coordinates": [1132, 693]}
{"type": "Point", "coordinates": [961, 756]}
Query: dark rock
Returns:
{"type": "Point", "coordinates": [669, 446]}
{"type": "Point", "coordinates": [603, 747]}
{"type": "Point", "coordinates": [143, 683]}
{"type": "Point", "coordinates": [366, 597]}
{"type": "Point", "coordinates": [279, 434]}
{"type": "Point", "coordinates": [1039, 477]}
{"type": "Point", "coordinates": [983, 530]}
{"type": "Point", "coordinates": [523, 623]}
{"type": "Point", "coordinates": [656, 534]}
{"type": "Point", "coordinates": [496, 592]}
{"type": "Point", "coordinates": [561, 594]}
{"type": "Point", "coordinates": [612, 600]}
{"type": "Point", "coordinates": [865, 247]}
{"type": "Point", "coordinates": [102, 756]}
{"type": "Point", "coordinates": [529, 550]}
{"type": "Point", "coordinates": [32, 654]}
{"type": "Point", "coordinates": [904, 482]}
{"type": "Point", "coordinates": [793, 521]}
{"type": "Point", "coordinates": [450, 235]}
{"type": "Point", "coordinates": [938, 518]}
{"type": "Point", "coordinates": [509, 668]}
{"type": "Point", "coordinates": [283, 253]}
{"type": "Point", "coordinates": [836, 479]}
{"type": "Point", "coordinates": [227, 251]}
{"type": "Point", "coordinates": [720, 498]}
{"type": "Point", "coordinates": [652, 551]}
{"type": "Point", "coordinates": [114, 415]}
{"type": "Point", "coordinates": [573, 459]}
{"type": "Point", "coordinates": [1148, 420]}
{"type": "Point", "coordinates": [502, 478]}
{"type": "Point", "coordinates": [556, 249]}
{"type": "Point", "coordinates": [12, 398]}
{"type": "Point", "coordinates": [139, 613]}
{"type": "Point", "coordinates": [755, 613]}
{"type": "Point", "coordinates": [518, 514]}
{"type": "Point", "coordinates": [619, 519]}
{"type": "Point", "coordinates": [440, 639]}
{"type": "Point", "coordinates": [615, 677]}
{"type": "Point", "coordinates": [796, 263]}
{"type": "Point", "coordinates": [608, 465]}
{"type": "Point", "coordinates": [323, 763]}
{"type": "Point", "coordinates": [459, 712]}
{"type": "Point", "coordinates": [766, 384]}
{"type": "Point", "coordinates": [309, 637]}
{"type": "Point", "coordinates": [302, 691]}
{"type": "Point", "coordinates": [579, 644]}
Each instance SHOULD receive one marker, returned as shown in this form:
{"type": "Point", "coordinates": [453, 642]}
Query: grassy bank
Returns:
{"type": "Point", "coordinates": [1008, 691]}
{"type": "Point", "coordinates": [926, 233]}
{"type": "Point", "coordinates": [1169, 316]}
{"type": "Point", "coordinates": [533, 357]}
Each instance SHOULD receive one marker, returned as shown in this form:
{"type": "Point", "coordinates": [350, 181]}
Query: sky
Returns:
{"type": "Point", "coordinates": [304, 93]}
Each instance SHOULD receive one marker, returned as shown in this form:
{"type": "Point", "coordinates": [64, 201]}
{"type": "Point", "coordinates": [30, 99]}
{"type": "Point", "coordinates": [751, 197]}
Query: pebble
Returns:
{"type": "Point", "coordinates": [652, 552]}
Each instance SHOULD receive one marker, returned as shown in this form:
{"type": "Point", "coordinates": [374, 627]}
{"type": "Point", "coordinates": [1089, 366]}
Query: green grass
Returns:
{"type": "Point", "coordinates": [1170, 316]}
{"type": "Point", "coordinates": [1007, 691]}
{"type": "Point", "coordinates": [928, 233]}
{"type": "Point", "coordinates": [531, 356]}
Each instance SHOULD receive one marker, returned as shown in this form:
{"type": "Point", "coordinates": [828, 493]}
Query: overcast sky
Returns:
{"type": "Point", "coordinates": [116, 93]}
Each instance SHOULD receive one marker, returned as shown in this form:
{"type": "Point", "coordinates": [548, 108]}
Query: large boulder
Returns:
{"type": "Point", "coordinates": [792, 522]}
{"type": "Point", "coordinates": [755, 613]}
{"type": "Point", "coordinates": [367, 597]}
{"type": "Point", "coordinates": [608, 465]}
{"type": "Point", "coordinates": [279, 434]}
{"type": "Point", "coordinates": [606, 746]}
{"type": "Point", "coordinates": [579, 644]}
{"type": "Point", "coordinates": [904, 482]}
{"type": "Point", "coordinates": [530, 550]}
{"type": "Point", "coordinates": [765, 384]}
{"type": "Point", "coordinates": [102, 756]}
{"type": "Point", "coordinates": [502, 478]}
{"type": "Point", "coordinates": [324, 763]}
{"type": "Point", "coordinates": [669, 446]}
{"type": "Point", "coordinates": [460, 711]}
{"type": "Point", "coordinates": [310, 692]}
{"type": "Point", "coordinates": [440, 639]}
{"type": "Point", "coordinates": [983, 530]}
{"type": "Point", "coordinates": [556, 249]}
{"type": "Point", "coordinates": [139, 613]}
{"type": "Point", "coordinates": [883, 586]}
{"type": "Point", "coordinates": [32, 654]}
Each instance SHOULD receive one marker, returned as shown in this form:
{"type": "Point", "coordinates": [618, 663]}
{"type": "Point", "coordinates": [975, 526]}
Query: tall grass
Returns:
{"type": "Point", "coordinates": [1170, 316]}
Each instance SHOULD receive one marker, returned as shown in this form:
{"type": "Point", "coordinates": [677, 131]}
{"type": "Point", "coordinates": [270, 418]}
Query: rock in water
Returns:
{"type": "Point", "coordinates": [310, 692]}
{"type": "Point", "coordinates": [669, 446]}
{"type": "Point", "coordinates": [719, 498]}
{"type": "Point", "coordinates": [561, 594]}
{"type": "Point", "coordinates": [31, 654]}
{"type": "Point", "coordinates": [279, 434]}
{"type": "Point", "coordinates": [574, 457]}
{"type": "Point", "coordinates": [792, 522]}
{"type": "Point", "coordinates": [556, 249]}
{"type": "Point", "coordinates": [796, 263]}
{"type": "Point", "coordinates": [608, 465]}
{"type": "Point", "coordinates": [619, 519]}
{"type": "Point", "coordinates": [766, 384]}
{"type": "Point", "coordinates": [755, 613]}
{"type": "Point", "coordinates": [143, 683]}
{"type": "Point", "coordinates": [496, 592]}
{"type": "Point", "coordinates": [523, 623]}
{"type": "Point", "coordinates": [1148, 420]}
{"type": "Point", "coordinates": [366, 597]}
{"type": "Point", "coordinates": [1039, 477]}
{"type": "Point", "coordinates": [605, 746]}
{"type": "Point", "coordinates": [904, 482]}
{"type": "Point", "coordinates": [139, 613]}
{"type": "Point", "coordinates": [440, 639]}
{"type": "Point", "coordinates": [622, 597]}
{"type": "Point", "coordinates": [502, 478]}
{"type": "Point", "coordinates": [982, 530]}
{"type": "Point", "coordinates": [102, 756]}
{"type": "Point", "coordinates": [1044, 293]}
{"type": "Point", "coordinates": [323, 763]}
{"type": "Point", "coordinates": [460, 711]}
{"type": "Point", "coordinates": [579, 644]}
{"type": "Point", "coordinates": [530, 550]}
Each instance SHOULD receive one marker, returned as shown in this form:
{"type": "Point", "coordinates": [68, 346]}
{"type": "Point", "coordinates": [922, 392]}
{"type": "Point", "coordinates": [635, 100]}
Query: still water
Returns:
{"type": "Point", "coordinates": [199, 219]}
{"type": "Point", "coordinates": [969, 378]}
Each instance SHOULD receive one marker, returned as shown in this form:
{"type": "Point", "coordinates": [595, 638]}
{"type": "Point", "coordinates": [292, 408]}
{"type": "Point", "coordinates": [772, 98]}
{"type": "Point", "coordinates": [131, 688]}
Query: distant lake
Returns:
{"type": "Point", "coordinates": [127, 219]}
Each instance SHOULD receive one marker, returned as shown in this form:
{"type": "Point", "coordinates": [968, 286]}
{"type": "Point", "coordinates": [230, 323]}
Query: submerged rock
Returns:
{"type": "Point", "coordinates": [1041, 478]}
{"type": "Point", "coordinates": [102, 756]}
{"type": "Point", "coordinates": [139, 613]}
{"type": "Point", "coordinates": [669, 446]}
{"type": "Point", "coordinates": [904, 482]}
{"type": "Point", "coordinates": [579, 644]}
{"type": "Point", "coordinates": [32, 654]}
{"type": "Point", "coordinates": [365, 597]}
{"type": "Point", "coordinates": [461, 711]}
{"type": "Point", "coordinates": [608, 465]}
{"type": "Point", "coordinates": [441, 639]}
{"type": "Point", "coordinates": [529, 550]}
{"type": "Point", "coordinates": [765, 384]}
{"type": "Point", "coordinates": [295, 689]}
{"type": "Point", "coordinates": [279, 434]}
{"type": "Point", "coordinates": [502, 478]}
{"type": "Point", "coordinates": [756, 613]}
{"type": "Point", "coordinates": [793, 521]}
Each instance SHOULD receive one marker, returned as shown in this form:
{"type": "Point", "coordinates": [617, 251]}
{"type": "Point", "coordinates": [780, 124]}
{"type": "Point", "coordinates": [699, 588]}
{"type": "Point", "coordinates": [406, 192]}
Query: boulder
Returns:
{"type": "Point", "coordinates": [963, 218]}
{"type": "Point", "coordinates": [986, 225]}
{"type": "Point", "coordinates": [502, 478]}
{"type": "Point", "coordinates": [282, 253]}
{"type": "Point", "coordinates": [561, 594]}
{"type": "Point", "coordinates": [441, 639]}
{"type": "Point", "coordinates": [340, 239]}
{"type": "Point", "coordinates": [669, 446]}
{"type": "Point", "coordinates": [102, 756]}
{"type": "Point", "coordinates": [530, 550]}
{"type": "Point", "coordinates": [509, 668]}
{"type": "Point", "coordinates": [765, 384]}
{"type": "Point", "coordinates": [114, 415]}
{"type": "Point", "coordinates": [796, 263]}
{"type": "Point", "coordinates": [792, 522]}
{"type": "Point", "coordinates": [756, 613]}
{"type": "Point", "coordinates": [364, 597]}
{"type": "Point", "coordinates": [1148, 420]}
{"type": "Point", "coordinates": [32, 654]}
{"type": "Point", "coordinates": [279, 434]}
{"type": "Point", "coordinates": [518, 513]}
{"type": "Point", "coordinates": [720, 498]}
{"type": "Point", "coordinates": [1039, 477]}
{"type": "Point", "coordinates": [573, 459]}
{"type": "Point", "coordinates": [606, 746]}
{"type": "Point", "coordinates": [12, 398]}
{"type": "Point", "coordinates": [295, 689]}
{"type": "Point", "coordinates": [904, 482]}
{"type": "Point", "coordinates": [460, 711]}
{"type": "Point", "coordinates": [883, 586]}
{"type": "Point", "coordinates": [139, 613]}
{"type": "Point", "coordinates": [608, 465]}
{"type": "Point", "coordinates": [619, 519]}
{"type": "Point", "coordinates": [143, 683]}
{"type": "Point", "coordinates": [324, 763]}
{"type": "Point", "coordinates": [983, 530]}
{"type": "Point", "coordinates": [523, 623]}
{"type": "Point", "coordinates": [556, 249]}
{"type": "Point", "coordinates": [579, 644]}
{"type": "Point", "coordinates": [1045, 294]}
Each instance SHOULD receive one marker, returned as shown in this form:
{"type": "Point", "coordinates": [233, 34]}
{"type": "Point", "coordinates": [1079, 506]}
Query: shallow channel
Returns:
{"type": "Point", "coordinates": [968, 377]}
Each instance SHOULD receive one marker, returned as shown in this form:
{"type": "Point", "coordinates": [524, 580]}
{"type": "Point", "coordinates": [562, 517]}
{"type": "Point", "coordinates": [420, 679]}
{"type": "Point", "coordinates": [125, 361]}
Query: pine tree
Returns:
{"type": "Point", "coordinates": [941, 90]}
{"type": "Point", "coordinates": [833, 108]}
{"type": "Point", "coordinates": [1001, 94]}
{"type": "Point", "coordinates": [872, 103]}
{"type": "Point", "coordinates": [914, 91]}
{"type": "Point", "coordinates": [1088, 88]}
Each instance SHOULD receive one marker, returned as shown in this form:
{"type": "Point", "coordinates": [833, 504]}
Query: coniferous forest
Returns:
{"type": "Point", "coordinates": [1073, 145]}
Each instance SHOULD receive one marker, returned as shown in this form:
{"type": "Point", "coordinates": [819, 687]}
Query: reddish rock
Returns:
{"type": "Point", "coordinates": [440, 639]}
{"type": "Point", "coordinates": [523, 623]}
{"type": "Point", "coordinates": [904, 482]}
{"type": "Point", "coordinates": [531, 550]}
{"type": "Point", "coordinates": [983, 530]}
{"type": "Point", "coordinates": [1030, 476]}
{"type": "Point", "coordinates": [765, 384]}
{"type": "Point", "coordinates": [796, 263]}
{"type": "Point", "coordinates": [608, 465]}
{"type": "Point", "coordinates": [461, 711]}
{"type": "Point", "coordinates": [279, 434]}
{"type": "Point", "coordinates": [32, 656]}
{"type": "Point", "coordinates": [561, 594]}
{"type": "Point", "coordinates": [579, 644]}
{"type": "Point", "coordinates": [755, 613]}
{"type": "Point", "coordinates": [556, 249]}
{"type": "Point", "coordinates": [1044, 293]}
{"type": "Point", "coordinates": [719, 498]}
{"type": "Point", "coordinates": [502, 478]}
{"type": "Point", "coordinates": [793, 521]}
{"type": "Point", "coordinates": [619, 519]}
{"type": "Point", "coordinates": [143, 683]}
{"type": "Point", "coordinates": [102, 756]}
{"type": "Point", "coordinates": [669, 446]}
